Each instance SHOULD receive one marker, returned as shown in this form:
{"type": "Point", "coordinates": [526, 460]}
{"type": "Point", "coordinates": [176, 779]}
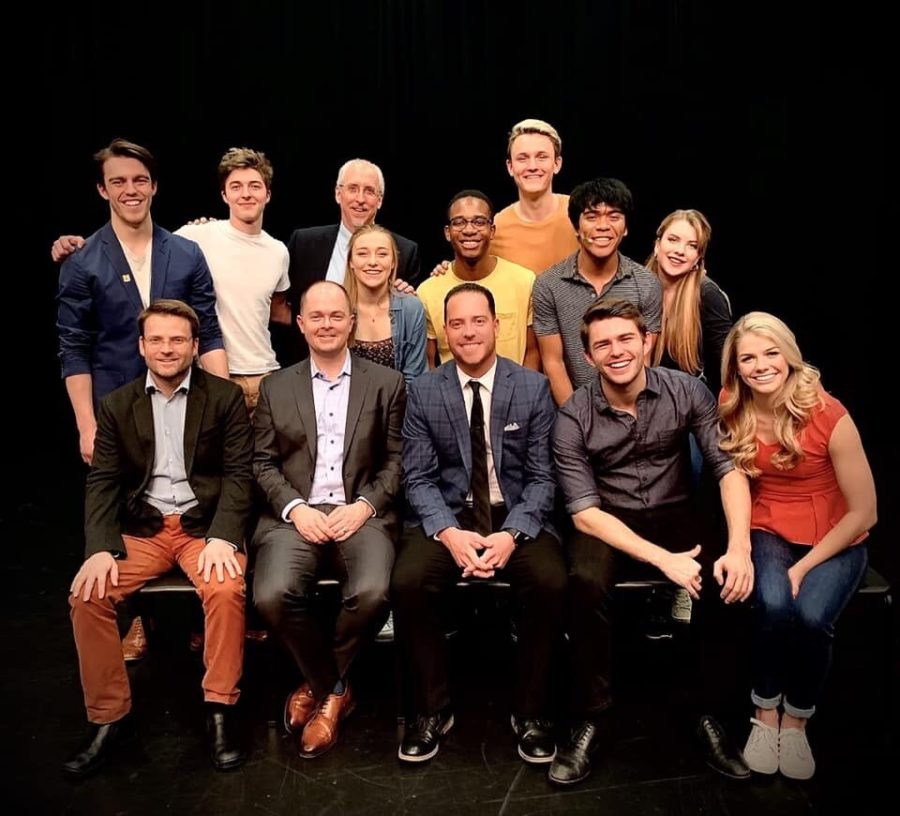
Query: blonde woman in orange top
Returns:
{"type": "Point", "coordinates": [813, 503]}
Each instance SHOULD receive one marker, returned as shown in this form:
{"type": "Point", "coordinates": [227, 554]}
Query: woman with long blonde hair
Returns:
{"type": "Point", "coordinates": [696, 314]}
{"type": "Point", "coordinates": [390, 325]}
{"type": "Point", "coordinates": [813, 504]}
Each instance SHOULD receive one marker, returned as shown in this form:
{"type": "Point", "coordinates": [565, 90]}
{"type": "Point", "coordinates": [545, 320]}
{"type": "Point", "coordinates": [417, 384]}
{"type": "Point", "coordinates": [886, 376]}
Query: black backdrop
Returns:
{"type": "Point", "coordinates": [747, 111]}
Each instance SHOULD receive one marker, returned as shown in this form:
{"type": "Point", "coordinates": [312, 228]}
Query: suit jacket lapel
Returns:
{"type": "Point", "coordinates": [196, 403]}
{"type": "Point", "coordinates": [500, 401]}
{"type": "Point", "coordinates": [116, 258]}
{"type": "Point", "coordinates": [306, 407]}
{"type": "Point", "coordinates": [142, 411]}
{"type": "Point", "coordinates": [159, 264]}
{"type": "Point", "coordinates": [359, 380]}
{"type": "Point", "coordinates": [456, 411]}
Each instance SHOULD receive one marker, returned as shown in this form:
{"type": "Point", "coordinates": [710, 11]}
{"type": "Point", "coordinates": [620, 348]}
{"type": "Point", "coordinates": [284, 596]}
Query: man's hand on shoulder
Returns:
{"type": "Point", "coordinates": [64, 246]}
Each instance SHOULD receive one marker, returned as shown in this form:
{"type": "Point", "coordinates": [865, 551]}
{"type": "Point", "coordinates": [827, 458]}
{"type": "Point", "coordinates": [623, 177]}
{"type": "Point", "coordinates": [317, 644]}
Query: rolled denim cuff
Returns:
{"type": "Point", "coordinates": [799, 713]}
{"type": "Point", "coordinates": [765, 703]}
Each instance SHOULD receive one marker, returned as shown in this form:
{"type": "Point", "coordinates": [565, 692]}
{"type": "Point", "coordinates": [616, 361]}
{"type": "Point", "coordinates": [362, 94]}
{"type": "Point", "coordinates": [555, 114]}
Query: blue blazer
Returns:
{"type": "Point", "coordinates": [437, 452]}
{"type": "Point", "coordinates": [99, 304]}
{"type": "Point", "coordinates": [409, 334]}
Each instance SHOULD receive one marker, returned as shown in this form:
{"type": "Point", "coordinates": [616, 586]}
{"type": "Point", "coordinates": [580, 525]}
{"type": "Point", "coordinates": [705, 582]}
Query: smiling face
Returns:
{"type": "Point", "coordinates": [168, 347]}
{"type": "Point", "coordinates": [533, 163]}
{"type": "Point", "coordinates": [677, 250]}
{"type": "Point", "coordinates": [128, 188]}
{"type": "Point", "coordinates": [761, 364]}
{"type": "Point", "coordinates": [616, 348]}
{"type": "Point", "coordinates": [372, 260]}
{"type": "Point", "coordinates": [359, 195]}
{"type": "Point", "coordinates": [601, 229]}
{"type": "Point", "coordinates": [471, 332]}
{"type": "Point", "coordinates": [325, 319]}
{"type": "Point", "coordinates": [246, 195]}
{"type": "Point", "coordinates": [470, 229]}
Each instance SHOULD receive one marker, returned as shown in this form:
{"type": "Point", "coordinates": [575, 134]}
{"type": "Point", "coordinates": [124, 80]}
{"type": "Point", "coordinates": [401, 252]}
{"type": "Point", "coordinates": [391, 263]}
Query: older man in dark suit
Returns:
{"type": "Point", "coordinates": [171, 483]}
{"type": "Point", "coordinates": [477, 469]}
{"type": "Point", "coordinates": [328, 460]}
{"type": "Point", "coordinates": [320, 253]}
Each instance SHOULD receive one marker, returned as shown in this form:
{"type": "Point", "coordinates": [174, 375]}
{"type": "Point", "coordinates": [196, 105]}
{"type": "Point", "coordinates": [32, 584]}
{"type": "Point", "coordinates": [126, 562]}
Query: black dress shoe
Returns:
{"type": "Point", "coordinates": [223, 746]}
{"type": "Point", "coordinates": [98, 745]}
{"type": "Point", "coordinates": [573, 761]}
{"type": "Point", "coordinates": [721, 755]}
{"type": "Point", "coordinates": [422, 738]}
{"type": "Point", "coordinates": [536, 744]}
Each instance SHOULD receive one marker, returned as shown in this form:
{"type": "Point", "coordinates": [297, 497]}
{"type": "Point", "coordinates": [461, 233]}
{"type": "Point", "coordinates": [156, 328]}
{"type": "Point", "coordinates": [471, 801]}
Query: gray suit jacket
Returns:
{"type": "Point", "coordinates": [284, 461]}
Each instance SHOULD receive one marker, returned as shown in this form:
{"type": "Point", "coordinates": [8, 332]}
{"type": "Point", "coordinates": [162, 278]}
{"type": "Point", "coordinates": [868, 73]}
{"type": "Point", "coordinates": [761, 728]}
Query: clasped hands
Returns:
{"type": "Point", "coordinates": [478, 556]}
{"type": "Point", "coordinates": [342, 522]}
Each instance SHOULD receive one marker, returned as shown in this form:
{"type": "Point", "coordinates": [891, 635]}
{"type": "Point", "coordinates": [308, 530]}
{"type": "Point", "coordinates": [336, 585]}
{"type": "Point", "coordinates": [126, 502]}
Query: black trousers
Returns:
{"type": "Point", "coordinates": [424, 577]}
{"type": "Point", "coordinates": [285, 575]}
{"type": "Point", "coordinates": [594, 569]}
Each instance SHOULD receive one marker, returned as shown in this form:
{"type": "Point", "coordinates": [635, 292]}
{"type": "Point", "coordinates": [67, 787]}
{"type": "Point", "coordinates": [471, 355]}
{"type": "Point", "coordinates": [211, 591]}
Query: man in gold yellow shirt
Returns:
{"type": "Point", "coordinates": [469, 230]}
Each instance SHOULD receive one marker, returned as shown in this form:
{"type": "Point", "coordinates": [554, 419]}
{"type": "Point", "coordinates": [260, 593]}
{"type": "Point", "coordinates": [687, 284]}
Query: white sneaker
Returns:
{"type": "Point", "coordinates": [761, 750]}
{"type": "Point", "coordinates": [795, 759]}
{"type": "Point", "coordinates": [386, 635]}
{"type": "Point", "coordinates": [682, 606]}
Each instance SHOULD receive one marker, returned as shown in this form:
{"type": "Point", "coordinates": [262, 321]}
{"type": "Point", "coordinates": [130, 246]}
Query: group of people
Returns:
{"type": "Point", "coordinates": [417, 443]}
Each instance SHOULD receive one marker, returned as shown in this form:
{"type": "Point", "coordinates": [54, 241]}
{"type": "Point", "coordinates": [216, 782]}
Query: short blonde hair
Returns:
{"type": "Point", "coordinates": [534, 126]}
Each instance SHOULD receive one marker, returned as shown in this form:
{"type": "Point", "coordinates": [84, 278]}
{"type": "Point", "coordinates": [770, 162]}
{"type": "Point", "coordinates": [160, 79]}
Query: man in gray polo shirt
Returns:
{"type": "Point", "coordinates": [599, 210]}
{"type": "Point", "coordinates": [623, 465]}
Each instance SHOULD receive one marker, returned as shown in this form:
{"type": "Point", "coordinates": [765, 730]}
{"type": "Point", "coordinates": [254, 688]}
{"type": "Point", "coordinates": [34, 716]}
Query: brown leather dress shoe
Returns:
{"type": "Point", "coordinates": [321, 731]}
{"type": "Point", "coordinates": [298, 709]}
{"type": "Point", "coordinates": [134, 644]}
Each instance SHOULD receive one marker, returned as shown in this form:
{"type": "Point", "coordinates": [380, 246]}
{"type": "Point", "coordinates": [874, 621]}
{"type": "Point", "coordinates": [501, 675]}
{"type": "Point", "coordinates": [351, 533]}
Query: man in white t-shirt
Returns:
{"type": "Point", "coordinates": [249, 268]}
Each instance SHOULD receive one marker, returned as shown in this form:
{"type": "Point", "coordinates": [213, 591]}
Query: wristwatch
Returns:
{"type": "Point", "coordinates": [517, 535]}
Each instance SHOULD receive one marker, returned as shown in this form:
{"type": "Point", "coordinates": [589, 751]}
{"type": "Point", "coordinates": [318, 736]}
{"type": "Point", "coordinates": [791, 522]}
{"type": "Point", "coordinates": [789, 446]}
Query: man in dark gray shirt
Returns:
{"type": "Point", "coordinates": [599, 210]}
{"type": "Point", "coordinates": [623, 463]}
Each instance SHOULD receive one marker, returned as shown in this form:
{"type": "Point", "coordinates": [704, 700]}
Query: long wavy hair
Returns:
{"type": "Point", "coordinates": [793, 405]}
{"type": "Point", "coordinates": [351, 284]}
{"type": "Point", "coordinates": [681, 333]}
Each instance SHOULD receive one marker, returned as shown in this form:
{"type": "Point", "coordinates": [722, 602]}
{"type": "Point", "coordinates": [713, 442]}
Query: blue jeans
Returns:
{"type": "Point", "coordinates": [793, 636]}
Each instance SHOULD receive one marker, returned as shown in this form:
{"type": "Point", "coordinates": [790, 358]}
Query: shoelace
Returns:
{"type": "Point", "coordinates": [793, 744]}
{"type": "Point", "coordinates": [761, 734]}
{"type": "Point", "coordinates": [582, 736]}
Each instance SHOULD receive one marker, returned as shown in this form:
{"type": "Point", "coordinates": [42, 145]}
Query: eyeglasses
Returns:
{"type": "Point", "coordinates": [479, 222]}
{"type": "Point", "coordinates": [175, 342]}
{"type": "Point", "coordinates": [355, 189]}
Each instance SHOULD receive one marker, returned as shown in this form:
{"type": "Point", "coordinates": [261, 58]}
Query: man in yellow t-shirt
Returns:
{"type": "Point", "coordinates": [469, 230]}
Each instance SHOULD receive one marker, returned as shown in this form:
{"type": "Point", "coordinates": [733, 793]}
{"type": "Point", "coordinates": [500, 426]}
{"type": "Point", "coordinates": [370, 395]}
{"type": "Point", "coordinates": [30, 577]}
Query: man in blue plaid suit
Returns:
{"type": "Point", "coordinates": [479, 482]}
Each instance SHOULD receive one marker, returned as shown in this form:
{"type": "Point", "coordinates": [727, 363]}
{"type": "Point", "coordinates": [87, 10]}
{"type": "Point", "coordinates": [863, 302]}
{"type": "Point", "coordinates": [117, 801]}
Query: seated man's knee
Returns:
{"type": "Point", "coordinates": [272, 598]}
{"type": "Point", "coordinates": [215, 591]}
{"type": "Point", "coordinates": [369, 599]}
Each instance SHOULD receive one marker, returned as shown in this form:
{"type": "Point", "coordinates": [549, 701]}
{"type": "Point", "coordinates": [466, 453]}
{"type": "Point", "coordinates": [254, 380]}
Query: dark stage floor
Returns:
{"type": "Point", "coordinates": [649, 763]}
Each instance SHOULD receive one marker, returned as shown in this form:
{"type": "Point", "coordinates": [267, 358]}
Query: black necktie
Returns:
{"type": "Point", "coordinates": [481, 492]}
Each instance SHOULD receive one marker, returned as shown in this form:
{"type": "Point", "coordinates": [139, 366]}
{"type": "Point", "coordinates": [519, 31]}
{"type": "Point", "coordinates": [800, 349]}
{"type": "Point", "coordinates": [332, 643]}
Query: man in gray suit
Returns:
{"type": "Point", "coordinates": [328, 461]}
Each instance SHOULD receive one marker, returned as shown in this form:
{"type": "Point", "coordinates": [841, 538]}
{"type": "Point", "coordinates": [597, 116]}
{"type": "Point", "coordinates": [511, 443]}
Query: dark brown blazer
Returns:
{"type": "Point", "coordinates": [218, 454]}
{"type": "Point", "coordinates": [284, 461]}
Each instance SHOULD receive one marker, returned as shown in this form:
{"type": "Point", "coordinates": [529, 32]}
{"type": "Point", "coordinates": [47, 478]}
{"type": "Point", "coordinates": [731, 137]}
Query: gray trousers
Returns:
{"type": "Point", "coordinates": [284, 583]}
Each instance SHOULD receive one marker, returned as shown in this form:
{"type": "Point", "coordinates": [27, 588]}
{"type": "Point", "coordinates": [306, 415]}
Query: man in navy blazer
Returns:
{"type": "Point", "coordinates": [477, 429]}
{"type": "Point", "coordinates": [124, 266]}
{"type": "Point", "coordinates": [320, 253]}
